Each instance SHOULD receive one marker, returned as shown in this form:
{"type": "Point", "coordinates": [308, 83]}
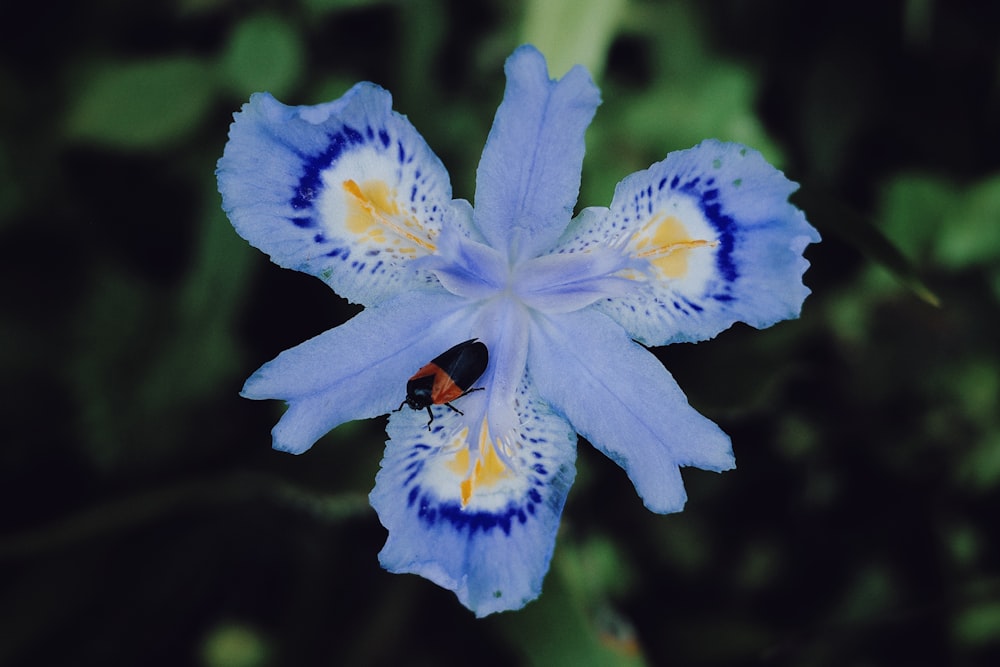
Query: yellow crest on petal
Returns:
{"type": "Point", "coordinates": [485, 469]}
{"type": "Point", "coordinates": [373, 215]}
{"type": "Point", "coordinates": [665, 242]}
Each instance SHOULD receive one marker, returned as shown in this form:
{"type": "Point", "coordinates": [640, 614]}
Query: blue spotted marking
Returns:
{"type": "Point", "coordinates": [412, 497]}
{"type": "Point", "coordinates": [413, 475]}
{"type": "Point", "coordinates": [693, 306]}
{"type": "Point", "coordinates": [724, 224]}
{"type": "Point", "coordinates": [384, 138]}
{"type": "Point", "coordinates": [353, 135]}
{"type": "Point", "coordinates": [310, 184]}
{"type": "Point", "coordinates": [663, 181]}
{"type": "Point", "coordinates": [472, 521]}
{"type": "Point", "coordinates": [303, 222]}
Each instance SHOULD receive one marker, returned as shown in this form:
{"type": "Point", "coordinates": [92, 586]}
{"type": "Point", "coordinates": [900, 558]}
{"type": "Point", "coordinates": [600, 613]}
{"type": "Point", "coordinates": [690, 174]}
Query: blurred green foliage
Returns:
{"type": "Point", "coordinates": [146, 520]}
{"type": "Point", "coordinates": [141, 104]}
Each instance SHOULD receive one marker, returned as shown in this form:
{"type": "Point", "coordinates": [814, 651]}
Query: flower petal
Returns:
{"type": "Point", "coordinates": [347, 191]}
{"type": "Point", "coordinates": [464, 267]}
{"type": "Point", "coordinates": [562, 282]}
{"type": "Point", "coordinates": [359, 369]}
{"type": "Point", "coordinates": [466, 517]}
{"type": "Point", "coordinates": [718, 238]}
{"type": "Point", "coordinates": [618, 396]}
{"type": "Point", "coordinates": [529, 175]}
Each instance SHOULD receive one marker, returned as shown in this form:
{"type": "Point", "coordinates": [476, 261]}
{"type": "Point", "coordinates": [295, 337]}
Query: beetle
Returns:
{"type": "Point", "coordinates": [448, 377]}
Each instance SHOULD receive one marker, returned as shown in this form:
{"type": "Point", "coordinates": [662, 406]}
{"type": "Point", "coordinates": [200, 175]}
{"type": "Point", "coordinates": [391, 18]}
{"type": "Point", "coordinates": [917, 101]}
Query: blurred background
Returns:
{"type": "Point", "coordinates": [144, 519]}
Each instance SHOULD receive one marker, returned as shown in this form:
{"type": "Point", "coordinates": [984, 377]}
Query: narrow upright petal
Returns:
{"type": "Point", "coordinates": [347, 191]}
{"type": "Point", "coordinates": [473, 515]}
{"type": "Point", "coordinates": [529, 175]}
{"type": "Point", "coordinates": [619, 397]}
{"type": "Point", "coordinates": [714, 241]}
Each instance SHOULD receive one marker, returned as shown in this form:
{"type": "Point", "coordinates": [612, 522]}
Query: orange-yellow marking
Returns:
{"type": "Point", "coordinates": [668, 246]}
{"type": "Point", "coordinates": [372, 208]}
{"type": "Point", "coordinates": [487, 470]}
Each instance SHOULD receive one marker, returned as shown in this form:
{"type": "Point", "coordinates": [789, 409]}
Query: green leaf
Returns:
{"type": "Point", "coordinates": [142, 105]}
{"type": "Point", "coordinates": [932, 220]}
{"type": "Point", "coordinates": [326, 6]}
{"type": "Point", "coordinates": [231, 644]}
{"type": "Point", "coordinates": [970, 236]}
{"type": "Point", "coordinates": [682, 111]}
{"type": "Point", "coordinates": [263, 53]}
{"type": "Point", "coordinates": [978, 624]}
{"type": "Point", "coordinates": [834, 217]}
{"type": "Point", "coordinates": [572, 32]}
{"type": "Point", "coordinates": [912, 211]}
{"type": "Point", "coordinates": [572, 623]}
{"type": "Point", "coordinates": [980, 468]}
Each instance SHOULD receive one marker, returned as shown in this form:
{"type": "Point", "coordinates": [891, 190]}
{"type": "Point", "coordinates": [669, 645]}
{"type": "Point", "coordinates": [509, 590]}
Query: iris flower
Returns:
{"type": "Point", "coordinates": [348, 191]}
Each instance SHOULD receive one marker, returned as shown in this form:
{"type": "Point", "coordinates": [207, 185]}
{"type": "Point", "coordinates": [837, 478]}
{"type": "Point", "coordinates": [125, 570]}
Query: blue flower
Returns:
{"type": "Point", "coordinates": [348, 191]}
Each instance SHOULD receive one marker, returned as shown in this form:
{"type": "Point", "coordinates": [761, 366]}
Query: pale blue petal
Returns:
{"type": "Point", "coordinates": [561, 283]}
{"type": "Point", "coordinates": [529, 175]}
{"type": "Point", "coordinates": [504, 324]}
{"type": "Point", "coordinates": [618, 396]}
{"type": "Point", "coordinates": [465, 267]}
{"type": "Point", "coordinates": [359, 369]}
{"type": "Point", "coordinates": [347, 191]}
{"type": "Point", "coordinates": [719, 239]}
{"type": "Point", "coordinates": [491, 547]}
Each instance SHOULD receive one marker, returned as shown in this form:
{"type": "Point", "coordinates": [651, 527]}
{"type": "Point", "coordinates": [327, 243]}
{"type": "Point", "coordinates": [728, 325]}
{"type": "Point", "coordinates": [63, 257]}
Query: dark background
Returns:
{"type": "Point", "coordinates": [144, 519]}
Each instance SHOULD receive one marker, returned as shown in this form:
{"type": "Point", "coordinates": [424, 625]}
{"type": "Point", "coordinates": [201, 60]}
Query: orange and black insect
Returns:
{"type": "Point", "coordinates": [449, 376]}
